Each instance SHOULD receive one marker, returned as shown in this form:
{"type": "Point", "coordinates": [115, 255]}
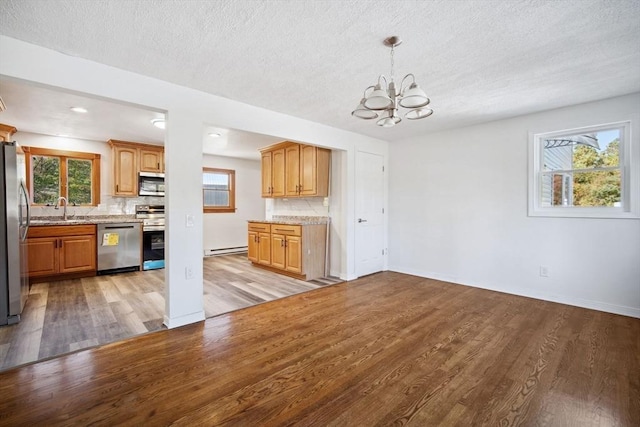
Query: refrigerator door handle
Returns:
{"type": "Point", "coordinates": [25, 194]}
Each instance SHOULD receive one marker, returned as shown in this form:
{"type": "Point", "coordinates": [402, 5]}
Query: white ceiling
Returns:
{"type": "Point", "coordinates": [47, 111]}
{"type": "Point", "coordinates": [478, 60]}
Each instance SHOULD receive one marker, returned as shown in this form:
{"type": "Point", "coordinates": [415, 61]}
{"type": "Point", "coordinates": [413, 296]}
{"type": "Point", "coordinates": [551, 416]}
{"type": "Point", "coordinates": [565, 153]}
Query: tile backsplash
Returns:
{"type": "Point", "coordinates": [110, 206]}
{"type": "Point", "coordinates": [307, 206]}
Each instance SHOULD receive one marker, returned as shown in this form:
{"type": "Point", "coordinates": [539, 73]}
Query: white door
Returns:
{"type": "Point", "coordinates": [369, 213]}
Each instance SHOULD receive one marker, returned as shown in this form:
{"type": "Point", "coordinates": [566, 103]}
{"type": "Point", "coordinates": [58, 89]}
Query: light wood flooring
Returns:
{"type": "Point", "coordinates": [70, 315]}
{"type": "Point", "coordinates": [387, 349]}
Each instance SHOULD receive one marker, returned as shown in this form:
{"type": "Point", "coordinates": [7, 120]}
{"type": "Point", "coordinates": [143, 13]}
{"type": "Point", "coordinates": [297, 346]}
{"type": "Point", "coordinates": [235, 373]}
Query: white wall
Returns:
{"type": "Point", "coordinates": [459, 213]}
{"type": "Point", "coordinates": [187, 112]}
{"type": "Point", "coordinates": [228, 230]}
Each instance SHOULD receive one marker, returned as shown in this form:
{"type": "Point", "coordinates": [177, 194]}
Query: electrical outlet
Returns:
{"type": "Point", "coordinates": [188, 272]}
{"type": "Point", "coordinates": [544, 271]}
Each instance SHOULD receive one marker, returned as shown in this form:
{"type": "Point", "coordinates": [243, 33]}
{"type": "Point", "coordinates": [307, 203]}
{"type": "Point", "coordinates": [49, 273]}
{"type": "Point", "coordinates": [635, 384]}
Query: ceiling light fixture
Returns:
{"type": "Point", "coordinates": [383, 100]}
{"type": "Point", "coordinates": [159, 123]}
{"type": "Point", "coordinates": [78, 109]}
{"type": "Point", "coordinates": [214, 135]}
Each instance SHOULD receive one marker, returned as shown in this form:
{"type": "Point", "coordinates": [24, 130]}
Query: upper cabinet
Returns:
{"type": "Point", "coordinates": [151, 159]}
{"type": "Point", "coordinates": [273, 176]}
{"type": "Point", "coordinates": [129, 159]}
{"type": "Point", "coordinates": [290, 169]}
{"type": "Point", "coordinates": [6, 132]}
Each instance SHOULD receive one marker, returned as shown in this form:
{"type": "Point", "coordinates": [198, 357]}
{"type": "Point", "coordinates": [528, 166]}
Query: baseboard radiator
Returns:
{"type": "Point", "coordinates": [225, 251]}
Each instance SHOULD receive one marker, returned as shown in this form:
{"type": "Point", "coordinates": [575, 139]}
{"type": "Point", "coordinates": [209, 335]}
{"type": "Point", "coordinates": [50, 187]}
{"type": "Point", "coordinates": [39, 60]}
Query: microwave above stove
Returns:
{"type": "Point", "coordinates": [150, 184]}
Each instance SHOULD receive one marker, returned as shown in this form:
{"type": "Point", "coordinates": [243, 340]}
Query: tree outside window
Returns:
{"type": "Point", "coordinates": [589, 172]}
{"type": "Point", "coordinates": [218, 190]}
{"type": "Point", "coordinates": [54, 173]}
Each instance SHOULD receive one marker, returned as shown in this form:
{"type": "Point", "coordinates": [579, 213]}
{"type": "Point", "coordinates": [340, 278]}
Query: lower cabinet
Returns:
{"type": "Point", "coordinates": [61, 250]}
{"type": "Point", "coordinates": [259, 244]}
{"type": "Point", "coordinates": [295, 250]}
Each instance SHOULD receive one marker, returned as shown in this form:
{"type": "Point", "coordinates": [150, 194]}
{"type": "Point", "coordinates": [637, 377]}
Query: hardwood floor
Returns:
{"type": "Point", "coordinates": [387, 349]}
{"type": "Point", "coordinates": [73, 314]}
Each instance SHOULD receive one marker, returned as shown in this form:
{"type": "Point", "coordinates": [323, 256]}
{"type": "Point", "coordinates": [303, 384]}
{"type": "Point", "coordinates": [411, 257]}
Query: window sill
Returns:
{"type": "Point", "coordinates": [219, 210]}
{"type": "Point", "coordinates": [573, 212]}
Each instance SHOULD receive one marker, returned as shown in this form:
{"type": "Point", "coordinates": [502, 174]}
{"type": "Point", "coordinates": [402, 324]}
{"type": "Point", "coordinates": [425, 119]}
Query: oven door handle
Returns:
{"type": "Point", "coordinates": [153, 228]}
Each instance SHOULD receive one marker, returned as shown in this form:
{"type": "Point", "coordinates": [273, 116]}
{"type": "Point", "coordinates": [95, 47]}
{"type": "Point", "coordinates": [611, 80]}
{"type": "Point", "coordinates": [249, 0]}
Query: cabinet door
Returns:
{"type": "Point", "coordinates": [151, 160]}
{"type": "Point", "coordinates": [42, 256]}
{"type": "Point", "coordinates": [308, 170]}
{"type": "Point", "coordinates": [278, 251]}
{"type": "Point", "coordinates": [292, 170]}
{"type": "Point", "coordinates": [264, 248]}
{"type": "Point", "coordinates": [77, 253]}
{"type": "Point", "coordinates": [314, 171]}
{"type": "Point", "coordinates": [125, 171]}
{"type": "Point", "coordinates": [293, 255]}
{"type": "Point", "coordinates": [278, 173]}
{"type": "Point", "coordinates": [252, 245]}
{"type": "Point", "coordinates": [267, 166]}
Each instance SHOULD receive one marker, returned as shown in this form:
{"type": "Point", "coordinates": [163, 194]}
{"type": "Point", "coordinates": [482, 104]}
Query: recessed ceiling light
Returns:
{"type": "Point", "coordinates": [159, 123]}
{"type": "Point", "coordinates": [214, 135]}
{"type": "Point", "coordinates": [78, 109]}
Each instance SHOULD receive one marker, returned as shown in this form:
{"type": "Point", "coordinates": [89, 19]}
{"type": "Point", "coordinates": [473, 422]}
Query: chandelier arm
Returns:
{"type": "Point", "coordinates": [365, 91]}
{"type": "Point", "coordinates": [404, 78]}
{"type": "Point", "coordinates": [386, 82]}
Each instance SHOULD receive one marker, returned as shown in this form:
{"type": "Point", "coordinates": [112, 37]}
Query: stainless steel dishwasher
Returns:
{"type": "Point", "coordinates": [119, 247]}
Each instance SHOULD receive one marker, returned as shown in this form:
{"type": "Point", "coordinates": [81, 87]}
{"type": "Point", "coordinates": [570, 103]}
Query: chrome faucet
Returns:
{"type": "Point", "coordinates": [64, 212]}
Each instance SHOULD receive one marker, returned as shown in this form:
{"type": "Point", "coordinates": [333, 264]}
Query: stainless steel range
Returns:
{"type": "Point", "coordinates": [152, 235]}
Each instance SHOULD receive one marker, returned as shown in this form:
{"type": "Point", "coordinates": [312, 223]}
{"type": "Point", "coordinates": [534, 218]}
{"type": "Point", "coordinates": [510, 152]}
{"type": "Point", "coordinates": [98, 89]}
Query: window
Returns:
{"type": "Point", "coordinates": [585, 172]}
{"type": "Point", "coordinates": [218, 190]}
{"type": "Point", "coordinates": [54, 173]}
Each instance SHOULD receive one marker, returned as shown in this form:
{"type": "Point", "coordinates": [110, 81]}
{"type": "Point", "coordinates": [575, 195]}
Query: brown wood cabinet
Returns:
{"type": "Point", "coordinates": [6, 132]}
{"type": "Point", "coordinates": [129, 159]}
{"type": "Point", "coordinates": [125, 172]}
{"type": "Point", "coordinates": [151, 159]}
{"type": "Point", "coordinates": [273, 176]}
{"type": "Point", "coordinates": [59, 251]}
{"type": "Point", "coordinates": [290, 169]}
{"type": "Point", "coordinates": [259, 245]}
{"type": "Point", "coordinates": [295, 250]}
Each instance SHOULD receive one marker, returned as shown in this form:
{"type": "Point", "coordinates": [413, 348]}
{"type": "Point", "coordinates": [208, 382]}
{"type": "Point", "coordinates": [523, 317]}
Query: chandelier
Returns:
{"type": "Point", "coordinates": [383, 100]}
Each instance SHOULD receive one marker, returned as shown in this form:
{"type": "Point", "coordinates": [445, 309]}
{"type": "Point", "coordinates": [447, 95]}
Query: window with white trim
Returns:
{"type": "Point", "coordinates": [585, 172]}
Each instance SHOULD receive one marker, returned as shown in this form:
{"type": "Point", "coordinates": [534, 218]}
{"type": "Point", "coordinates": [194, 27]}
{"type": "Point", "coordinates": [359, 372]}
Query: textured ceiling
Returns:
{"type": "Point", "coordinates": [477, 60]}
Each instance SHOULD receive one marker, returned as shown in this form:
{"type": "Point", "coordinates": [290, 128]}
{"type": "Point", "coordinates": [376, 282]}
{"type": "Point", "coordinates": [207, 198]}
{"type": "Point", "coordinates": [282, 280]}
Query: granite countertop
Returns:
{"type": "Point", "coordinates": [80, 220]}
{"type": "Point", "coordinates": [294, 220]}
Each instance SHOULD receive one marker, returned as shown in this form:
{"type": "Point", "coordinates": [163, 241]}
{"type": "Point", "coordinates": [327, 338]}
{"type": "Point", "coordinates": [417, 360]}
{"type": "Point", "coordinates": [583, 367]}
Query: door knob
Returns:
{"type": "Point", "coordinates": [362, 220]}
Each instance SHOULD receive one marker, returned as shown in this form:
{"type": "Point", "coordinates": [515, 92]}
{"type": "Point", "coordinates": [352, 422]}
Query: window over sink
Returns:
{"type": "Point", "coordinates": [55, 173]}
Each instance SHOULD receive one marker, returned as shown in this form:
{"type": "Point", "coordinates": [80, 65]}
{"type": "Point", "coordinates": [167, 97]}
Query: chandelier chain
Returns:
{"type": "Point", "coordinates": [392, 63]}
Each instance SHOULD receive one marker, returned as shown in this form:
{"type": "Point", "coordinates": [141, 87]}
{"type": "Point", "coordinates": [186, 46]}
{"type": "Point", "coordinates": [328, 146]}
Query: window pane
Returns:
{"type": "Point", "coordinates": [46, 179]}
{"type": "Point", "coordinates": [79, 181]}
{"type": "Point", "coordinates": [216, 198]}
{"type": "Point", "coordinates": [590, 189]}
{"type": "Point", "coordinates": [582, 151]}
{"type": "Point", "coordinates": [218, 181]}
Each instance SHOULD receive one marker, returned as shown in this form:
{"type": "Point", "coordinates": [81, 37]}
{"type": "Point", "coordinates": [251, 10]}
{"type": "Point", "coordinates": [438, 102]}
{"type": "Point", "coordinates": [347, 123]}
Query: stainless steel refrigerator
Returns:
{"type": "Point", "coordinates": [14, 223]}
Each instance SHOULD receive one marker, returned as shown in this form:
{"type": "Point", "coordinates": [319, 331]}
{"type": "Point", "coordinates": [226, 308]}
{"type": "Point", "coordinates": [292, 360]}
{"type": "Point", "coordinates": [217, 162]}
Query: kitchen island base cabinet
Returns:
{"type": "Point", "coordinates": [57, 252]}
{"type": "Point", "coordinates": [298, 251]}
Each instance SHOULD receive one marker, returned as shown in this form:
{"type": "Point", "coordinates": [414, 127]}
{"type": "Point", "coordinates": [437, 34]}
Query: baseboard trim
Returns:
{"type": "Point", "coordinates": [176, 322]}
{"type": "Point", "coordinates": [530, 293]}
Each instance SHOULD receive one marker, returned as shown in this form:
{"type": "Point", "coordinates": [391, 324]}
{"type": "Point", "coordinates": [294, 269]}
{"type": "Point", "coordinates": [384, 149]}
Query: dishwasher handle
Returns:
{"type": "Point", "coordinates": [117, 227]}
